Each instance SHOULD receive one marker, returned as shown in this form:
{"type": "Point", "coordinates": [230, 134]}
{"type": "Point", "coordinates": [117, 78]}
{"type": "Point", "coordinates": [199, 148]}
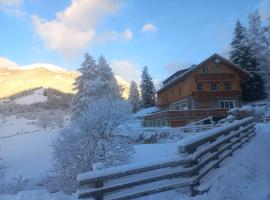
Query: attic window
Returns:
{"type": "Point", "coordinates": [205, 69]}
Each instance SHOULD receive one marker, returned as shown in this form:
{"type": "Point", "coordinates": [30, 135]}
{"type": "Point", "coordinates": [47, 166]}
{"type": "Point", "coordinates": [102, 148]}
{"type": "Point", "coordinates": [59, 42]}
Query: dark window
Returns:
{"type": "Point", "coordinates": [218, 68]}
{"type": "Point", "coordinates": [180, 91]}
{"type": "Point", "coordinates": [199, 86]}
{"type": "Point", "coordinates": [205, 69]}
{"type": "Point", "coordinates": [213, 86]}
{"type": "Point", "coordinates": [222, 104]}
{"type": "Point", "coordinates": [228, 86]}
{"type": "Point", "coordinates": [172, 93]}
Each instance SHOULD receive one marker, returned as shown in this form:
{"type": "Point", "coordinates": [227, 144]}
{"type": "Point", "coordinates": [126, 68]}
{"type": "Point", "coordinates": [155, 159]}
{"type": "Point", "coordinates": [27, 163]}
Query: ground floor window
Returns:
{"type": "Point", "coordinates": [227, 104]}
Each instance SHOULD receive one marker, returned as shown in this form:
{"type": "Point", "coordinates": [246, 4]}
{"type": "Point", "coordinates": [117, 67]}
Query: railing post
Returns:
{"type": "Point", "coordinates": [99, 184]}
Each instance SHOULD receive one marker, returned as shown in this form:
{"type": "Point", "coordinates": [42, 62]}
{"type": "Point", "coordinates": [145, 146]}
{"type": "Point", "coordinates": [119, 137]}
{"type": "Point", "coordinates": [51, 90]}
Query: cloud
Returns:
{"type": "Point", "coordinates": [74, 28]}
{"type": "Point", "coordinates": [11, 7]}
{"type": "Point", "coordinates": [149, 28]}
{"type": "Point", "coordinates": [114, 36]}
{"type": "Point", "coordinates": [264, 9]}
{"type": "Point", "coordinates": [10, 2]}
{"type": "Point", "coordinates": [127, 70]}
{"type": "Point", "coordinates": [127, 34]}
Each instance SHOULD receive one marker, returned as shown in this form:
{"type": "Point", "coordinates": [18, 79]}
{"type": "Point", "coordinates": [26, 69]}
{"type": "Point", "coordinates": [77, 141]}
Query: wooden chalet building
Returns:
{"type": "Point", "coordinates": [207, 89]}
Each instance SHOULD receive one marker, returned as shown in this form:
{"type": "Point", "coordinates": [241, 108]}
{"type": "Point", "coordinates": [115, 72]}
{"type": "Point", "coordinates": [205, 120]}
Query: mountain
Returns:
{"type": "Point", "coordinates": [15, 79]}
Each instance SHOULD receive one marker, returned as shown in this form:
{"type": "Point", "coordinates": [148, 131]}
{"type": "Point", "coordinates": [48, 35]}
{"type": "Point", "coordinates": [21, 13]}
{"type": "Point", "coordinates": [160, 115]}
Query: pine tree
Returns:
{"type": "Point", "coordinates": [95, 81]}
{"type": "Point", "coordinates": [134, 96]}
{"type": "Point", "coordinates": [147, 89]}
{"type": "Point", "coordinates": [88, 71]}
{"type": "Point", "coordinates": [241, 55]}
{"type": "Point", "coordinates": [259, 42]}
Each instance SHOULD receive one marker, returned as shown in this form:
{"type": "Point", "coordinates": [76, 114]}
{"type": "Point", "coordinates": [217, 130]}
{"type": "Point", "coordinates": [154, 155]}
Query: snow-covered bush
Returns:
{"type": "Point", "coordinates": [89, 142]}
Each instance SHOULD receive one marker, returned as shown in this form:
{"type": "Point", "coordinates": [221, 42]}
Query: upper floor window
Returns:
{"type": "Point", "coordinates": [227, 86]}
{"type": "Point", "coordinates": [172, 93]}
{"type": "Point", "coordinates": [218, 68]}
{"type": "Point", "coordinates": [199, 86]}
{"type": "Point", "coordinates": [214, 86]}
{"type": "Point", "coordinates": [205, 69]}
{"type": "Point", "coordinates": [180, 91]}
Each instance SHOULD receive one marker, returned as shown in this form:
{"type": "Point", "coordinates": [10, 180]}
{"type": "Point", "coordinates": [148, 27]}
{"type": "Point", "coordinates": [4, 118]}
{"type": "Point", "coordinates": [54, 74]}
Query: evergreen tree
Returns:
{"type": "Point", "coordinates": [241, 55]}
{"type": "Point", "coordinates": [95, 81]}
{"type": "Point", "coordinates": [134, 96]}
{"type": "Point", "coordinates": [88, 71]}
{"type": "Point", "coordinates": [259, 42]}
{"type": "Point", "coordinates": [147, 89]}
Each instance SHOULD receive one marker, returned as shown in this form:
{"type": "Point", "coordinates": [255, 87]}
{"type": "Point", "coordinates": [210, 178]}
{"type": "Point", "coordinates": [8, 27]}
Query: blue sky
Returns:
{"type": "Point", "coordinates": [164, 35]}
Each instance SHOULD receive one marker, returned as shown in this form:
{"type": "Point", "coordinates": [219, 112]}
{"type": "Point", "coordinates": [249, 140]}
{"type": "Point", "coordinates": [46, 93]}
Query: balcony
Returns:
{"type": "Point", "coordinates": [215, 77]}
{"type": "Point", "coordinates": [215, 94]}
{"type": "Point", "coordinates": [187, 114]}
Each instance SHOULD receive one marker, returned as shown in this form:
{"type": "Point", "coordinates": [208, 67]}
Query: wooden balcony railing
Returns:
{"type": "Point", "coordinates": [215, 76]}
{"type": "Point", "coordinates": [187, 114]}
{"type": "Point", "coordinates": [216, 94]}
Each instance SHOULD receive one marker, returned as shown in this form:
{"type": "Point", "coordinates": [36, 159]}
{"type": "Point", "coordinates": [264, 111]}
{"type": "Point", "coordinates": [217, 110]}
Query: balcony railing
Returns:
{"type": "Point", "coordinates": [185, 114]}
{"type": "Point", "coordinates": [215, 76]}
{"type": "Point", "coordinates": [216, 94]}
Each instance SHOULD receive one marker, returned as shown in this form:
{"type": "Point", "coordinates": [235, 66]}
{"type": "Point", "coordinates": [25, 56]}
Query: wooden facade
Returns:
{"type": "Point", "coordinates": [212, 84]}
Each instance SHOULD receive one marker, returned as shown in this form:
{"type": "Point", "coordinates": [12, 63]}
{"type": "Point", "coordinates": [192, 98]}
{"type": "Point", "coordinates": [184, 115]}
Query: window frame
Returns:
{"type": "Point", "coordinates": [230, 104]}
{"type": "Point", "coordinates": [214, 88]}
{"type": "Point", "coordinates": [198, 86]}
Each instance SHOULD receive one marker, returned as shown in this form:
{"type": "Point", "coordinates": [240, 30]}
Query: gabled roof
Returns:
{"type": "Point", "coordinates": [179, 75]}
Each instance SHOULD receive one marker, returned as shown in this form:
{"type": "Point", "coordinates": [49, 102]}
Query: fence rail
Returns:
{"type": "Point", "coordinates": [198, 155]}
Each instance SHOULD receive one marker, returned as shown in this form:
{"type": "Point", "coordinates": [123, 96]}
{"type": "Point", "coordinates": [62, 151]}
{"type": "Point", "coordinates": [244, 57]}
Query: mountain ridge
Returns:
{"type": "Point", "coordinates": [17, 79]}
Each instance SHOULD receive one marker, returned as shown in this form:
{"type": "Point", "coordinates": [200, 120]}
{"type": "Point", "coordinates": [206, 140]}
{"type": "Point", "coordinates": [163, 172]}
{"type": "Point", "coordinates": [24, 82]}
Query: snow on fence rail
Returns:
{"type": "Point", "coordinates": [198, 156]}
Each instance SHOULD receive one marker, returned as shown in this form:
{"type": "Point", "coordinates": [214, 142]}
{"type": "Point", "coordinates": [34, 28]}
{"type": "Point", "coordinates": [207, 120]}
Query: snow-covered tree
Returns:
{"type": "Point", "coordinates": [90, 140]}
{"type": "Point", "coordinates": [147, 89]}
{"type": "Point", "coordinates": [134, 96]}
{"type": "Point", "coordinates": [2, 176]}
{"type": "Point", "coordinates": [90, 143]}
{"type": "Point", "coordinates": [241, 55]}
{"type": "Point", "coordinates": [43, 120]}
{"type": "Point", "coordinates": [94, 82]}
{"type": "Point", "coordinates": [259, 45]}
{"type": "Point", "coordinates": [88, 71]}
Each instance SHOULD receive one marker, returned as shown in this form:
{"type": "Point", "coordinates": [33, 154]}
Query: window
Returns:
{"type": "Point", "coordinates": [199, 86]}
{"type": "Point", "coordinates": [213, 86]}
{"type": "Point", "coordinates": [172, 93]}
{"type": "Point", "coordinates": [218, 68]}
{"type": "Point", "coordinates": [227, 86]}
{"type": "Point", "coordinates": [177, 108]}
{"type": "Point", "coordinates": [205, 69]}
{"type": "Point", "coordinates": [180, 91]}
{"type": "Point", "coordinates": [228, 104]}
{"type": "Point", "coordinates": [184, 106]}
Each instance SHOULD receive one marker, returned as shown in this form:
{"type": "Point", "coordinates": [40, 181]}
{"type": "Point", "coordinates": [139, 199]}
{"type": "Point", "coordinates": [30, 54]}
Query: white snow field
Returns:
{"type": "Point", "coordinates": [11, 126]}
{"type": "Point", "coordinates": [36, 97]}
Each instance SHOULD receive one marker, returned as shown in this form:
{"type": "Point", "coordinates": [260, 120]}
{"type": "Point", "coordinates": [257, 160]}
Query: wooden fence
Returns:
{"type": "Point", "coordinates": [198, 155]}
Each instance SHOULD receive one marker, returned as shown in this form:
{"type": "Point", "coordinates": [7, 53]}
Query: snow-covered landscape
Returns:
{"type": "Point", "coordinates": [134, 99]}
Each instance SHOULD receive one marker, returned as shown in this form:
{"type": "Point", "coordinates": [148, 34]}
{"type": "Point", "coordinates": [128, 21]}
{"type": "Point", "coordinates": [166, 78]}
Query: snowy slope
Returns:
{"type": "Point", "coordinates": [28, 154]}
{"type": "Point", "coordinates": [36, 97]}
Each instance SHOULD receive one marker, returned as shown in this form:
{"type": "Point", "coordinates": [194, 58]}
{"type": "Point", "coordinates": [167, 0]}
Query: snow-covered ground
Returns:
{"type": "Point", "coordinates": [28, 154]}
{"type": "Point", "coordinates": [10, 126]}
{"type": "Point", "coordinates": [36, 97]}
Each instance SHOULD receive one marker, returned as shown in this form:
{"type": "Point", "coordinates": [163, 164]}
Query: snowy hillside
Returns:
{"type": "Point", "coordinates": [36, 97]}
